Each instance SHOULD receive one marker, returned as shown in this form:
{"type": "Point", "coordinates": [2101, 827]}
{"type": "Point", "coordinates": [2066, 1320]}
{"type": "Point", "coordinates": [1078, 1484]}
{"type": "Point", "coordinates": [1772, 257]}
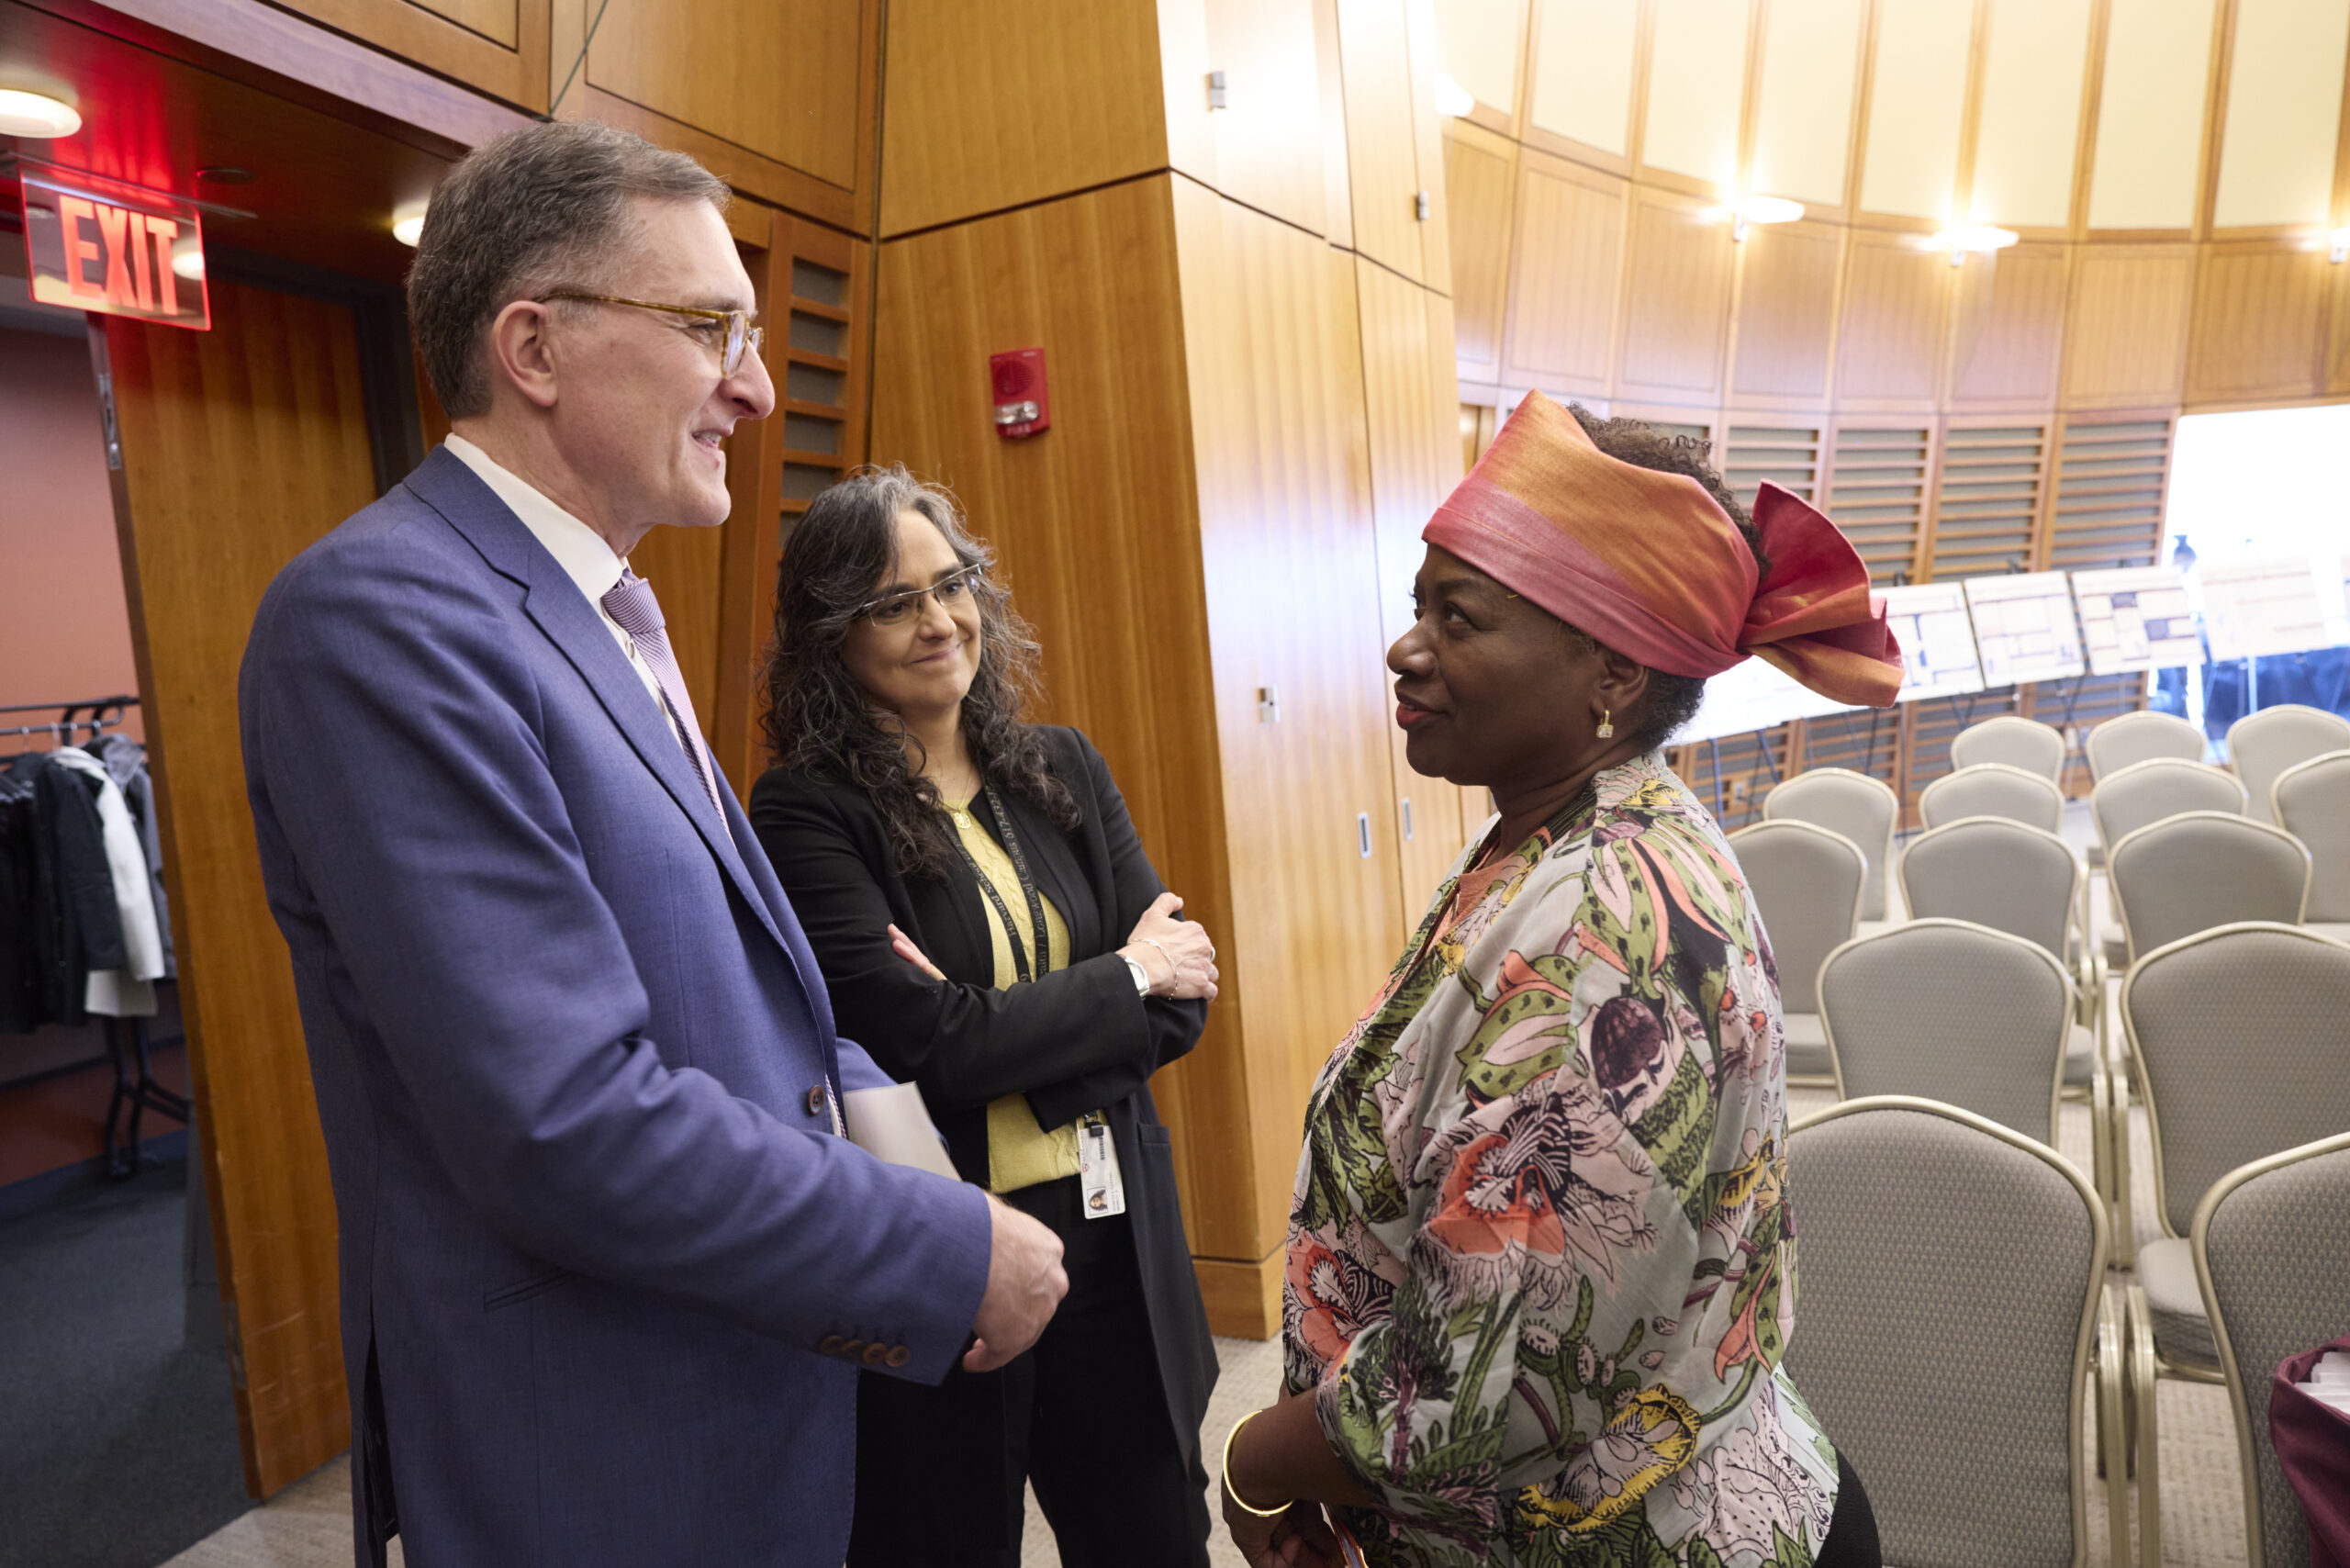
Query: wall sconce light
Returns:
{"type": "Point", "coordinates": [1740, 211]}
{"type": "Point", "coordinates": [408, 225]}
{"type": "Point", "coordinates": [36, 115]}
{"type": "Point", "coordinates": [1452, 100]}
{"type": "Point", "coordinates": [1978, 236]}
{"type": "Point", "coordinates": [2337, 246]}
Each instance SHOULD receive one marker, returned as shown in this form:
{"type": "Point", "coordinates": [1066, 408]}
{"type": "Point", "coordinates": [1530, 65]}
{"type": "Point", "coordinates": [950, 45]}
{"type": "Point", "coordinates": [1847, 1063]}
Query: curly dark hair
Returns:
{"type": "Point", "coordinates": [819, 721]}
{"type": "Point", "coordinates": [1672, 699]}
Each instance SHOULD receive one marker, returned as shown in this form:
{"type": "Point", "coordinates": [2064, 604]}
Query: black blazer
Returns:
{"type": "Point", "coordinates": [1076, 1039]}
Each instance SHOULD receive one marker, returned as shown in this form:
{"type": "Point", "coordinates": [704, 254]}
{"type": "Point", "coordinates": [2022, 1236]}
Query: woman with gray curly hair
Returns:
{"type": "Point", "coordinates": [991, 929]}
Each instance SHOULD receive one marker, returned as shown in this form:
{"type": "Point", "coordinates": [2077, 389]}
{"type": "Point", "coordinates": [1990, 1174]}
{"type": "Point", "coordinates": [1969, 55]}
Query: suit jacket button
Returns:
{"type": "Point", "coordinates": [851, 1349]}
{"type": "Point", "coordinates": [875, 1354]}
{"type": "Point", "coordinates": [830, 1344]}
{"type": "Point", "coordinates": [899, 1355]}
{"type": "Point", "coordinates": [816, 1100]}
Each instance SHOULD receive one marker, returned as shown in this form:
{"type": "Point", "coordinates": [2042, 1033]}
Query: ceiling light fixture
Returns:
{"type": "Point", "coordinates": [408, 225]}
{"type": "Point", "coordinates": [188, 258]}
{"type": "Point", "coordinates": [1740, 211]}
{"type": "Point", "coordinates": [2337, 246]}
{"type": "Point", "coordinates": [36, 115]}
{"type": "Point", "coordinates": [1453, 100]}
{"type": "Point", "coordinates": [1982, 238]}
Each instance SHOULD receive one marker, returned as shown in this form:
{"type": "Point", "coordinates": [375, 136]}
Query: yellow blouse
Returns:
{"type": "Point", "coordinates": [1020, 1152]}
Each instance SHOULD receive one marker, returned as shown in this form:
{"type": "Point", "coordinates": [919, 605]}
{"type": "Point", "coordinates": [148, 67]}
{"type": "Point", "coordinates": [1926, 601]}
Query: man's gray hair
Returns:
{"type": "Point", "coordinates": [534, 210]}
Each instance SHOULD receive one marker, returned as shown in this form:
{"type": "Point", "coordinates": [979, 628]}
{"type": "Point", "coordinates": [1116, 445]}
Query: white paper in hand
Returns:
{"type": "Point", "coordinates": [893, 1125]}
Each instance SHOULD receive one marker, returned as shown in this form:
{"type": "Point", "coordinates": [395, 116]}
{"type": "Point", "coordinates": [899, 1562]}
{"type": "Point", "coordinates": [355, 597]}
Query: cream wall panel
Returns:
{"type": "Point", "coordinates": [1696, 83]}
{"type": "Point", "coordinates": [1476, 45]}
{"type": "Point", "coordinates": [1802, 128]}
{"type": "Point", "coordinates": [1564, 266]}
{"type": "Point", "coordinates": [2284, 112]}
{"type": "Point", "coordinates": [1582, 71]}
{"type": "Point", "coordinates": [2030, 118]}
{"type": "Point", "coordinates": [1915, 102]}
{"type": "Point", "coordinates": [2150, 120]}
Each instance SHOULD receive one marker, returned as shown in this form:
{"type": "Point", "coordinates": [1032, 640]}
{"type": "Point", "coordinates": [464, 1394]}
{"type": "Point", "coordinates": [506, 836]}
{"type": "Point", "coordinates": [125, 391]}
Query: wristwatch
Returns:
{"type": "Point", "coordinates": [1142, 976]}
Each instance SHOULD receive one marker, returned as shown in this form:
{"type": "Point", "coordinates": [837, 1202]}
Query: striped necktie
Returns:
{"type": "Point", "coordinates": [633, 609]}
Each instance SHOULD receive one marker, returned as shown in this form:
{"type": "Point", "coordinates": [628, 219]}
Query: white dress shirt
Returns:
{"type": "Point", "coordinates": [578, 549]}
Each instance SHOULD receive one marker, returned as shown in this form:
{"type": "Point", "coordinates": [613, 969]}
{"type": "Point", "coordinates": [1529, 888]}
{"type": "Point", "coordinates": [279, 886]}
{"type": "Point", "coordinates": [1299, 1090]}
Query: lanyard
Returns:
{"type": "Point", "coordinates": [1028, 888]}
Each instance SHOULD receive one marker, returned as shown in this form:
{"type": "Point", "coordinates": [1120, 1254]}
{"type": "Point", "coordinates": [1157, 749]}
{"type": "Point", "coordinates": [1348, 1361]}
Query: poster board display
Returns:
{"type": "Point", "coordinates": [2024, 627]}
{"type": "Point", "coordinates": [2136, 618]}
{"type": "Point", "coordinates": [1938, 656]}
{"type": "Point", "coordinates": [1755, 695]}
{"type": "Point", "coordinates": [2254, 608]}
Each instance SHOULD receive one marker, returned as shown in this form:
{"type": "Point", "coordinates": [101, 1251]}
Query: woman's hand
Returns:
{"type": "Point", "coordinates": [905, 946]}
{"type": "Point", "coordinates": [1298, 1539]}
{"type": "Point", "coordinates": [1175, 954]}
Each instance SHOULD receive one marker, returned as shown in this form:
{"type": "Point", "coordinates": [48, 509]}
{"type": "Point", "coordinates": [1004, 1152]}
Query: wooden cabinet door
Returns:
{"type": "Point", "coordinates": [238, 447]}
{"type": "Point", "coordinates": [498, 47]}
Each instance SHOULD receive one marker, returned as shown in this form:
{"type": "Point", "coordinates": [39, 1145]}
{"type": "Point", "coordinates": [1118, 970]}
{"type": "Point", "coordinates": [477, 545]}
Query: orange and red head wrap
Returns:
{"type": "Point", "coordinates": [1651, 565]}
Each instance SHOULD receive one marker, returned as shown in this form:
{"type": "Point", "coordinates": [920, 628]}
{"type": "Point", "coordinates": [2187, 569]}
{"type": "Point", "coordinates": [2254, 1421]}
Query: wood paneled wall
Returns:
{"type": "Point", "coordinates": [274, 387]}
{"type": "Point", "coordinates": [1248, 332]}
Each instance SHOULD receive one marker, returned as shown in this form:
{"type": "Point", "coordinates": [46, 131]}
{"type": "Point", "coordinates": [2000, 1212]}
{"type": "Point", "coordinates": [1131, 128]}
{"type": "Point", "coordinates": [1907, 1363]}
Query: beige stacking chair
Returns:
{"type": "Point", "coordinates": [2198, 869]}
{"type": "Point", "coordinates": [2135, 737]}
{"type": "Point", "coordinates": [2015, 740]}
{"type": "Point", "coordinates": [2027, 882]}
{"type": "Point", "coordinates": [1993, 789]}
{"type": "Point", "coordinates": [2237, 1036]}
{"type": "Point", "coordinates": [1863, 809]}
{"type": "Point", "coordinates": [1951, 1318]}
{"type": "Point", "coordinates": [1807, 882]}
{"type": "Point", "coordinates": [2262, 745]}
{"type": "Point", "coordinates": [2145, 793]}
{"type": "Point", "coordinates": [2311, 802]}
{"type": "Point", "coordinates": [1951, 1011]}
{"type": "Point", "coordinates": [2269, 1239]}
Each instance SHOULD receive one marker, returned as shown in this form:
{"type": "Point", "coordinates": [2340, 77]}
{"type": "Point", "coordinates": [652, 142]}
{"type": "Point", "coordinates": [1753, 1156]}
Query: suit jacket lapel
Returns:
{"type": "Point", "coordinates": [553, 601]}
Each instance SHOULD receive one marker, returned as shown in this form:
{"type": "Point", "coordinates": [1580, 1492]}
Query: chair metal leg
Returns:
{"type": "Point", "coordinates": [2125, 1234]}
{"type": "Point", "coordinates": [2112, 1452]}
{"type": "Point", "coordinates": [2101, 1142]}
{"type": "Point", "coordinates": [2141, 1329]}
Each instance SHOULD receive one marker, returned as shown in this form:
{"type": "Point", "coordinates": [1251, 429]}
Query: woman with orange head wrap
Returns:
{"type": "Point", "coordinates": [1541, 1266]}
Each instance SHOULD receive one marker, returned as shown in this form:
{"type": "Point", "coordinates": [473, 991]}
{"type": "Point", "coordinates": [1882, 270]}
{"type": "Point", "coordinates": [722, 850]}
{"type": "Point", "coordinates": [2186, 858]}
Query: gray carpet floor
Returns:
{"type": "Point", "coordinates": [117, 1441]}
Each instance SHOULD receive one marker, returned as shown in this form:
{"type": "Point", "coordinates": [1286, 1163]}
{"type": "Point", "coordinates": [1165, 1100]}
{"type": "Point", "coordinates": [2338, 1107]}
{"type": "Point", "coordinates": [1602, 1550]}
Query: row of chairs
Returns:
{"type": "Point", "coordinates": [1956, 1322]}
{"type": "Point", "coordinates": [2261, 745]}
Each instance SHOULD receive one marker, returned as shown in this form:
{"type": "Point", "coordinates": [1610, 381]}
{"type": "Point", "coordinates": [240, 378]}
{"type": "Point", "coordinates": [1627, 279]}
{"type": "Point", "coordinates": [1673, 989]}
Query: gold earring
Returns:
{"type": "Point", "coordinates": [1607, 723]}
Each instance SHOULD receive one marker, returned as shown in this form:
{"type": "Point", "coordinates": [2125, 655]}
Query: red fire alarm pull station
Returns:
{"type": "Point", "coordinates": [1017, 381]}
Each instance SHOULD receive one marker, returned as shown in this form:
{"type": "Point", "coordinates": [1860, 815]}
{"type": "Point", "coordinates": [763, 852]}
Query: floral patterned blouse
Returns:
{"type": "Point", "coordinates": [1541, 1266]}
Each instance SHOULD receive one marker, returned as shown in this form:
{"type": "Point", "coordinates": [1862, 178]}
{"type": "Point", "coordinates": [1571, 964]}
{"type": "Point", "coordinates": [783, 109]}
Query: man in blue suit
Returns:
{"type": "Point", "coordinates": [609, 1267]}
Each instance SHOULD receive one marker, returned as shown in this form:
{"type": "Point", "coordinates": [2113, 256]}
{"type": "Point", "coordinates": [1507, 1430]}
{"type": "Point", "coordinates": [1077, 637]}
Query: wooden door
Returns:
{"type": "Point", "coordinates": [238, 447]}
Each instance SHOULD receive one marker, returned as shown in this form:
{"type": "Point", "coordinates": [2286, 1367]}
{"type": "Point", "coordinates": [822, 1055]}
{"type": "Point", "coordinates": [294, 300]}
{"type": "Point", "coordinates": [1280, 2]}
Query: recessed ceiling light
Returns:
{"type": "Point", "coordinates": [408, 225]}
{"type": "Point", "coordinates": [36, 115]}
{"type": "Point", "coordinates": [225, 174]}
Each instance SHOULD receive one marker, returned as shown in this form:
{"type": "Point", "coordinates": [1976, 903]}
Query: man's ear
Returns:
{"type": "Point", "coordinates": [521, 354]}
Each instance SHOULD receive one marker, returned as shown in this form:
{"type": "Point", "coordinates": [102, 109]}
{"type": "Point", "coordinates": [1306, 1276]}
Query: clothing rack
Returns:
{"type": "Point", "coordinates": [104, 713]}
{"type": "Point", "coordinates": [128, 1045]}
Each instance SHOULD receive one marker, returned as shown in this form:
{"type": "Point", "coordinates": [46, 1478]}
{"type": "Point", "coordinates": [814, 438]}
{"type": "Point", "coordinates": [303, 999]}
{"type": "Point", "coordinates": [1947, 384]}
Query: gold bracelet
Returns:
{"type": "Point", "coordinates": [1242, 1503]}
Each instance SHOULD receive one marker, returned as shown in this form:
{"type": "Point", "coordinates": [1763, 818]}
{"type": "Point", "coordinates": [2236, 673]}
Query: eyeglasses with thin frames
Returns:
{"type": "Point", "coordinates": [741, 336]}
{"type": "Point", "coordinates": [895, 610]}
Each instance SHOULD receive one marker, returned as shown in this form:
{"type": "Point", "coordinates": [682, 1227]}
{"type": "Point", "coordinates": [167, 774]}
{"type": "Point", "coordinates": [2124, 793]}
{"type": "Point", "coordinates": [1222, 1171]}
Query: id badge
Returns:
{"type": "Point", "coordinates": [1097, 1169]}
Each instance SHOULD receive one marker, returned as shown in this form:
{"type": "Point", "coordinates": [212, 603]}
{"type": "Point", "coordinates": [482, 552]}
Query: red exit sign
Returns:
{"type": "Point", "coordinates": [118, 249]}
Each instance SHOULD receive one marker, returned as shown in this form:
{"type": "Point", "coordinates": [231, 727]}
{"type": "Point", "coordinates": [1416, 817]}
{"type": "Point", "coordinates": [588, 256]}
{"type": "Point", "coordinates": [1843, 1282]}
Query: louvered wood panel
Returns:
{"type": "Point", "coordinates": [1877, 493]}
{"type": "Point", "coordinates": [1987, 503]}
{"type": "Point", "coordinates": [1789, 457]}
{"type": "Point", "coordinates": [1867, 740]}
{"type": "Point", "coordinates": [824, 363]}
{"type": "Point", "coordinates": [1929, 726]}
{"type": "Point", "coordinates": [2109, 484]}
{"type": "Point", "coordinates": [1733, 775]}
